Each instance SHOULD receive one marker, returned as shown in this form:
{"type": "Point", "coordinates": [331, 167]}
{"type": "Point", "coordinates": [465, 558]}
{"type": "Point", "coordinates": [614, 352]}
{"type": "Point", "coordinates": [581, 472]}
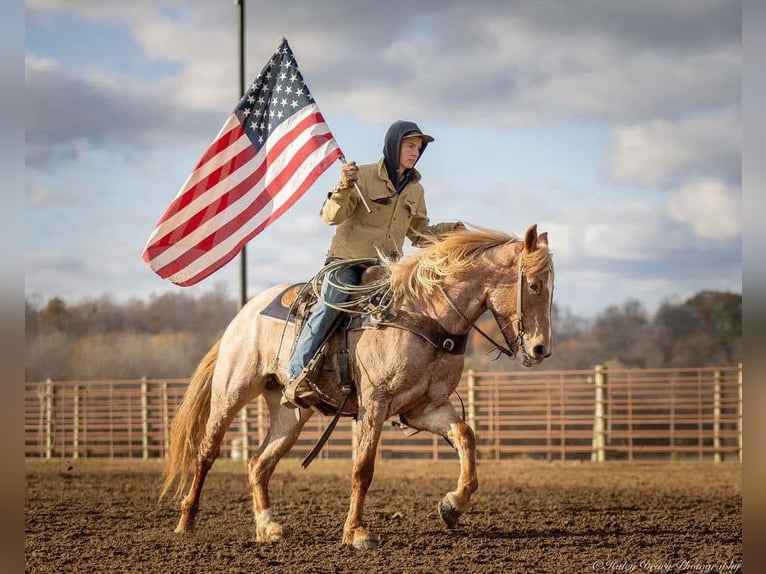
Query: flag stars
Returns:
{"type": "Point", "coordinates": [246, 112]}
{"type": "Point", "coordinates": [278, 88]}
{"type": "Point", "coordinates": [293, 78]}
{"type": "Point", "coordinates": [283, 102]}
{"type": "Point", "coordinates": [250, 99]}
{"type": "Point", "coordinates": [283, 76]}
{"type": "Point", "coordinates": [294, 104]}
{"type": "Point", "coordinates": [280, 114]}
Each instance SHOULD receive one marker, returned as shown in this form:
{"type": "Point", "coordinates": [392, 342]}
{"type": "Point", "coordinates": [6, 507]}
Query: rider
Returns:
{"type": "Point", "coordinates": [392, 190]}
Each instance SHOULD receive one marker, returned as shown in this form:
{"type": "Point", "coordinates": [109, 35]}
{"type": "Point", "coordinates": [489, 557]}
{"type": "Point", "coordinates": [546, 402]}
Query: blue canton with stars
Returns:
{"type": "Point", "coordinates": [276, 94]}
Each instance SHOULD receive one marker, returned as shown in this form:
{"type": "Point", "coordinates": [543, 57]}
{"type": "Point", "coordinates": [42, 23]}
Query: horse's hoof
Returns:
{"type": "Point", "coordinates": [366, 542]}
{"type": "Point", "coordinates": [361, 539]}
{"type": "Point", "coordinates": [272, 532]}
{"type": "Point", "coordinates": [448, 513]}
{"type": "Point", "coordinates": [184, 527]}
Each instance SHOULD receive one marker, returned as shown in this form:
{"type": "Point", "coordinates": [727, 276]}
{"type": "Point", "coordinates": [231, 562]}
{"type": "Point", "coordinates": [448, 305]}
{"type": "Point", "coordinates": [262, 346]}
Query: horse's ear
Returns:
{"type": "Point", "coordinates": [542, 240]}
{"type": "Point", "coordinates": [530, 239]}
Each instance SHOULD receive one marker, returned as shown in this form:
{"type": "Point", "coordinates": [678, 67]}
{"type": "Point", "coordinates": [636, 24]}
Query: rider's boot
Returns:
{"type": "Point", "coordinates": [299, 393]}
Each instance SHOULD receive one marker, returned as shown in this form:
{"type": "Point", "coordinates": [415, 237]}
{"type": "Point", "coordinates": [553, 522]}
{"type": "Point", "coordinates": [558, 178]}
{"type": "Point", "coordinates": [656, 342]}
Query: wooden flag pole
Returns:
{"type": "Point", "coordinates": [356, 187]}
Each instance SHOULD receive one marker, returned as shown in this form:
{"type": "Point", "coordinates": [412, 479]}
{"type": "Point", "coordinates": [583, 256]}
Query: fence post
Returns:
{"type": "Point", "coordinates": [739, 412]}
{"type": "Point", "coordinates": [144, 418]}
{"type": "Point", "coordinates": [76, 422]}
{"type": "Point", "coordinates": [717, 416]}
{"type": "Point", "coordinates": [245, 430]}
{"type": "Point", "coordinates": [471, 376]}
{"type": "Point", "coordinates": [598, 453]}
{"type": "Point", "coordinates": [165, 421]}
{"type": "Point", "coordinates": [50, 388]}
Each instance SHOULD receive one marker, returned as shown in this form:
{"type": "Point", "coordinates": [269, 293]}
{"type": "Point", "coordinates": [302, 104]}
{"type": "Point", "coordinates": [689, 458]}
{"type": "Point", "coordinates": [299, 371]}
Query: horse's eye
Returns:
{"type": "Point", "coordinates": [534, 287]}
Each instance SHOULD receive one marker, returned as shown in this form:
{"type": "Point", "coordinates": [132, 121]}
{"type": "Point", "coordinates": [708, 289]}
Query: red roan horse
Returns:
{"type": "Point", "coordinates": [396, 371]}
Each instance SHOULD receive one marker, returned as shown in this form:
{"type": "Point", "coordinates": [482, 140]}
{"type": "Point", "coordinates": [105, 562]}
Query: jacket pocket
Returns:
{"type": "Point", "coordinates": [378, 217]}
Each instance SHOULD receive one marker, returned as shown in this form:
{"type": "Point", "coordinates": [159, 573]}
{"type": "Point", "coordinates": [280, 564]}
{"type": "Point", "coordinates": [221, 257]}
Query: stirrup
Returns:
{"type": "Point", "coordinates": [298, 393]}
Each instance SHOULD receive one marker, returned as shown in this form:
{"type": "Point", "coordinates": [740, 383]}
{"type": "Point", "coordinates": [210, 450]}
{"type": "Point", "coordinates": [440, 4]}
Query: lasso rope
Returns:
{"type": "Point", "coordinates": [372, 297]}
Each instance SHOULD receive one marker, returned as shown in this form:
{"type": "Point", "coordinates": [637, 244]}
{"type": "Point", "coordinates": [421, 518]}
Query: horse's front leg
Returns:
{"type": "Point", "coordinates": [370, 423]}
{"type": "Point", "coordinates": [444, 421]}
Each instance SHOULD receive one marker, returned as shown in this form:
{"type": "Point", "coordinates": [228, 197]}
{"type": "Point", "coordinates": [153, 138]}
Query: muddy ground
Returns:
{"type": "Point", "coordinates": [527, 516]}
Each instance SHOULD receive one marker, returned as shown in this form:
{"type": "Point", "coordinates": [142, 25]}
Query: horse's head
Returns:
{"type": "Point", "coordinates": [522, 297]}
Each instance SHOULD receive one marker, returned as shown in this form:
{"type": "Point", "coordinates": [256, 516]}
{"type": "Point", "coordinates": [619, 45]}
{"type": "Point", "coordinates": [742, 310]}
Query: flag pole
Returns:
{"type": "Point", "coordinates": [356, 187]}
{"type": "Point", "coordinates": [243, 253]}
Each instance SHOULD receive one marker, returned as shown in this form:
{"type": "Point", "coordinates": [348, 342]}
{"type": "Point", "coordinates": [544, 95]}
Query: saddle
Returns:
{"type": "Point", "coordinates": [286, 306]}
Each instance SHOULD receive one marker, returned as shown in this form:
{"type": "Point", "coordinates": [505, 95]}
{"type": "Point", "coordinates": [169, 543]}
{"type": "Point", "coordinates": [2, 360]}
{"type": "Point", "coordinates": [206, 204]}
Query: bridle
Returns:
{"type": "Point", "coordinates": [511, 347]}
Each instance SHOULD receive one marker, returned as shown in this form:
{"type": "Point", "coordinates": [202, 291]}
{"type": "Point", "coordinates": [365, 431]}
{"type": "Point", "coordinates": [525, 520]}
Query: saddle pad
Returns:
{"type": "Point", "coordinates": [279, 307]}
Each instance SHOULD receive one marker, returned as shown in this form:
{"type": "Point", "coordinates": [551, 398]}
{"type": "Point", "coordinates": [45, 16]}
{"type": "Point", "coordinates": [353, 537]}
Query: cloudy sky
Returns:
{"type": "Point", "coordinates": [615, 126]}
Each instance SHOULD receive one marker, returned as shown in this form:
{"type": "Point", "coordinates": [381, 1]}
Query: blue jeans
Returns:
{"type": "Point", "coordinates": [318, 324]}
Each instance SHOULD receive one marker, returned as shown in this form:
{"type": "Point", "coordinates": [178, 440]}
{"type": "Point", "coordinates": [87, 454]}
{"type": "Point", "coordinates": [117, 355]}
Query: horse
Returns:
{"type": "Point", "coordinates": [396, 371]}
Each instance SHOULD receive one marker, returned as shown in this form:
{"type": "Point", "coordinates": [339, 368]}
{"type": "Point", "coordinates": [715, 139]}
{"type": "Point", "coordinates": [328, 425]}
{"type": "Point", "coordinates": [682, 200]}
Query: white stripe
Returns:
{"type": "Point", "coordinates": [225, 247]}
{"type": "Point", "coordinates": [233, 179]}
{"type": "Point", "coordinates": [236, 208]}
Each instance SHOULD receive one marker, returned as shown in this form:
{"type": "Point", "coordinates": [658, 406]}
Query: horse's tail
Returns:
{"type": "Point", "coordinates": [189, 422]}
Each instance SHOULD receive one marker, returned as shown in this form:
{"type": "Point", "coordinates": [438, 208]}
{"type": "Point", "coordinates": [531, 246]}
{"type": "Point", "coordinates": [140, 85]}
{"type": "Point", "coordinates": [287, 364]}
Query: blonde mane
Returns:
{"type": "Point", "coordinates": [418, 275]}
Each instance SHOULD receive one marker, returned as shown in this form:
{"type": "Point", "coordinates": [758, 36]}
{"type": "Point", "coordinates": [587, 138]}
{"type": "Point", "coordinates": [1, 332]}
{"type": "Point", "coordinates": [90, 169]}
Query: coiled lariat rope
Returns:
{"type": "Point", "coordinates": [374, 298]}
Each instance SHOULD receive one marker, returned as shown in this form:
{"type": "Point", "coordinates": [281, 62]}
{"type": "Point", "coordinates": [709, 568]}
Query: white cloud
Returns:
{"type": "Point", "coordinates": [659, 153]}
{"type": "Point", "coordinates": [710, 207]}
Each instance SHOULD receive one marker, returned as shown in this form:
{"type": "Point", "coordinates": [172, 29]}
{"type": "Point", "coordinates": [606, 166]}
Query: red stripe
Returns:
{"type": "Point", "coordinates": [221, 143]}
{"type": "Point", "coordinates": [307, 183]}
{"type": "Point", "coordinates": [235, 193]}
{"type": "Point", "coordinates": [263, 198]}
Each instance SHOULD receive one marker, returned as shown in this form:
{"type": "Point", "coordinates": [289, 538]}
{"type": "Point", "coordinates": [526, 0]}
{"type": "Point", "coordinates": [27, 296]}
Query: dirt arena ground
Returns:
{"type": "Point", "coordinates": [527, 516]}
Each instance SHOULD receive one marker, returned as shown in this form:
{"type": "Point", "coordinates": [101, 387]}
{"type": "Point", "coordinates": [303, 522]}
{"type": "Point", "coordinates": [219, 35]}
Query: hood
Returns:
{"type": "Point", "coordinates": [391, 148]}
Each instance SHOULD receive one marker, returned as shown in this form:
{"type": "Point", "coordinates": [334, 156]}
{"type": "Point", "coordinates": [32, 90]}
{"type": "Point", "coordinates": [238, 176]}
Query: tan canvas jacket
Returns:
{"type": "Point", "coordinates": [361, 234]}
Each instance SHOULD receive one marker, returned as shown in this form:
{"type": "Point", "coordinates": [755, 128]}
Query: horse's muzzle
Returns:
{"type": "Point", "coordinates": [541, 352]}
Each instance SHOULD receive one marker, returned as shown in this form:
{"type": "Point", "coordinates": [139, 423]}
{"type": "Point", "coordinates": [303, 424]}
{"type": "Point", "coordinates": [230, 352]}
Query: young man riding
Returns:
{"type": "Point", "coordinates": [392, 190]}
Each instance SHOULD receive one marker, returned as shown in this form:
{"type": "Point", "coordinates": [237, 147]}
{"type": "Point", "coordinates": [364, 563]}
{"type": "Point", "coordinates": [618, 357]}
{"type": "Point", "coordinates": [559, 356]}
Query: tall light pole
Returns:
{"type": "Point", "coordinates": [243, 253]}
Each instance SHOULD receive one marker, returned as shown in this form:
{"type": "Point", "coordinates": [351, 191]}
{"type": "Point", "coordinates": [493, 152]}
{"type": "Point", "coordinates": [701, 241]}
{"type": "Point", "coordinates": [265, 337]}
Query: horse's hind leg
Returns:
{"type": "Point", "coordinates": [444, 421]}
{"type": "Point", "coordinates": [284, 430]}
{"type": "Point", "coordinates": [222, 412]}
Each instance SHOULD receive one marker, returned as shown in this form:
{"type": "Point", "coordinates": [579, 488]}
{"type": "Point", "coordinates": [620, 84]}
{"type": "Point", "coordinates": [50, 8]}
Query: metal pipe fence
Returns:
{"type": "Point", "coordinates": [590, 415]}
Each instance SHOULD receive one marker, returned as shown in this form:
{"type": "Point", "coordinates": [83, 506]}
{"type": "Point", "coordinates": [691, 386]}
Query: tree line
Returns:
{"type": "Point", "coordinates": [167, 335]}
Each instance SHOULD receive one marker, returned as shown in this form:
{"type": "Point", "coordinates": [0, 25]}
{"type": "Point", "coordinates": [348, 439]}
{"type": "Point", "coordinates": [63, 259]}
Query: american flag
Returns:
{"type": "Point", "coordinates": [269, 152]}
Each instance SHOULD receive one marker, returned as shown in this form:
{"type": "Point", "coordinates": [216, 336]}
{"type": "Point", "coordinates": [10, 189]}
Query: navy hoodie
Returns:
{"type": "Point", "coordinates": [391, 147]}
